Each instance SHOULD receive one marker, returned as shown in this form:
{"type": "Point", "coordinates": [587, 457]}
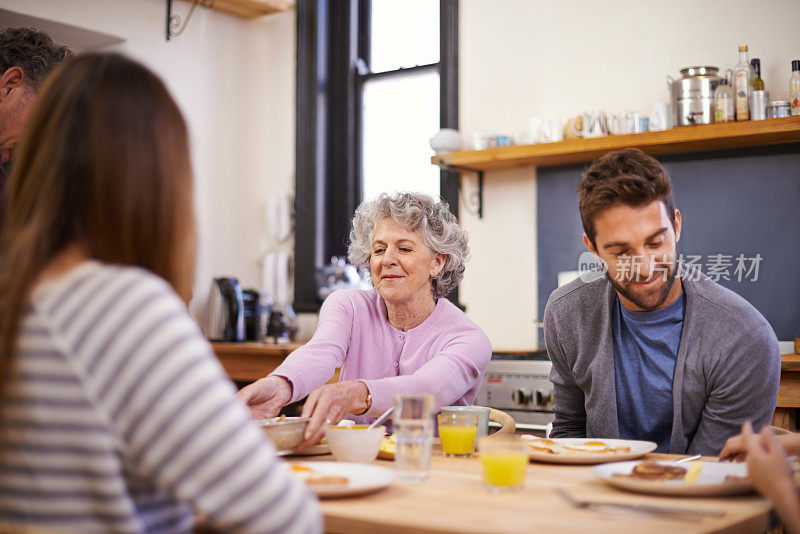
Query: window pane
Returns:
{"type": "Point", "coordinates": [401, 114]}
{"type": "Point", "coordinates": [404, 33]}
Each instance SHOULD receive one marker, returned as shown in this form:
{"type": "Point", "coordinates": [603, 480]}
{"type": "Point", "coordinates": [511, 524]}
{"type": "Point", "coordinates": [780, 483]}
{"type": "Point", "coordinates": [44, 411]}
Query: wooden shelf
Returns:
{"type": "Point", "coordinates": [250, 9]}
{"type": "Point", "coordinates": [677, 140]}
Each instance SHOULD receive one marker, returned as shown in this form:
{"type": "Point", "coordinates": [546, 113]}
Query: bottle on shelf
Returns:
{"type": "Point", "coordinates": [723, 102]}
{"type": "Point", "coordinates": [758, 83]}
{"type": "Point", "coordinates": [759, 96]}
{"type": "Point", "coordinates": [743, 76]}
{"type": "Point", "coordinates": [794, 87]}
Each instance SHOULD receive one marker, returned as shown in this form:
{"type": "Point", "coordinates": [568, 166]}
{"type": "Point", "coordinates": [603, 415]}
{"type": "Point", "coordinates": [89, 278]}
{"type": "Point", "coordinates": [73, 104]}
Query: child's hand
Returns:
{"type": "Point", "coordinates": [767, 466]}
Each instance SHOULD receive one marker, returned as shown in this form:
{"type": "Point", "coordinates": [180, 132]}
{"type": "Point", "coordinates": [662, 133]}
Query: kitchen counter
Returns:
{"type": "Point", "coordinates": [788, 393]}
{"type": "Point", "coordinates": [247, 362]}
{"type": "Point", "coordinates": [453, 501]}
{"type": "Point", "coordinates": [790, 362]}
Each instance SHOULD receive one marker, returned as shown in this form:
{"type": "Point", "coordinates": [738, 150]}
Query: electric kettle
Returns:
{"type": "Point", "coordinates": [225, 311]}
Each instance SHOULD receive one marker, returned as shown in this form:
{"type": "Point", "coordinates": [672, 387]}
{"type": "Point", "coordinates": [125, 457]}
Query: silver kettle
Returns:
{"type": "Point", "coordinates": [225, 311]}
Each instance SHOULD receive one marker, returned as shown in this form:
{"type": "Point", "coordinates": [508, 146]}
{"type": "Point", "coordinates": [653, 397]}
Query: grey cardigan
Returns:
{"type": "Point", "coordinates": [727, 371]}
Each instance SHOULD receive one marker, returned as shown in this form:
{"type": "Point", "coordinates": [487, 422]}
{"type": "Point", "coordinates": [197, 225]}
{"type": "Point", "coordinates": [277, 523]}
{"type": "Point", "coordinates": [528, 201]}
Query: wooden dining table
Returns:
{"type": "Point", "coordinates": [454, 500]}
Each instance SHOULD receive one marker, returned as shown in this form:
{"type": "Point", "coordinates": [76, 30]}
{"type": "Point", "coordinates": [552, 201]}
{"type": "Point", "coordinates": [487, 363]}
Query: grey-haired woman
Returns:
{"type": "Point", "coordinates": [400, 337]}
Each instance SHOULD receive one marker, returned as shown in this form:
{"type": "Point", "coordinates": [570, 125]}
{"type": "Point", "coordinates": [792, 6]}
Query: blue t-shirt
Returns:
{"type": "Point", "coordinates": [645, 351]}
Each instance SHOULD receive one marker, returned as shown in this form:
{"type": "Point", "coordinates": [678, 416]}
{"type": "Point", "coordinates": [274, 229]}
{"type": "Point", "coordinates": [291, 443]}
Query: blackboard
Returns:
{"type": "Point", "coordinates": [734, 202]}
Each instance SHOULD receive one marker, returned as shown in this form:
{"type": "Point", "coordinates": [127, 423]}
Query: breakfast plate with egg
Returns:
{"type": "Point", "coordinates": [700, 478]}
{"type": "Point", "coordinates": [342, 479]}
{"type": "Point", "coordinates": [586, 450]}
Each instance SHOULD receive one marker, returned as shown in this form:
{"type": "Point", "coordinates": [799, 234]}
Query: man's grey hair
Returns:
{"type": "Point", "coordinates": [419, 213]}
{"type": "Point", "coordinates": [31, 50]}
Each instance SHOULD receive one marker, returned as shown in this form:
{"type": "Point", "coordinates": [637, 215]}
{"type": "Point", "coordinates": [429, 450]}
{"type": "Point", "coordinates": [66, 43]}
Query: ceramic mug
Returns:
{"type": "Point", "coordinates": [660, 117]}
{"type": "Point", "coordinates": [551, 129]}
{"type": "Point", "coordinates": [623, 123]}
{"type": "Point", "coordinates": [573, 127]}
{"type": "Point", "coordinates": [594, 124]}
{"type": "Point", "coordinates": [534, 133]}
{"type": "Point", "coordinates": [617, 124]}
{"type": "Point", "coordinates": [478, 141]}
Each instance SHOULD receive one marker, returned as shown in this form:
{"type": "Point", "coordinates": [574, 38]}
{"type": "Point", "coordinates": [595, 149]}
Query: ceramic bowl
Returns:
{"type": "Point", "coordinates": [285, 433]}
{"type": "Point", "coordinates": [446, 140]}
{"type": "Point", "coordinates": [355, 443]}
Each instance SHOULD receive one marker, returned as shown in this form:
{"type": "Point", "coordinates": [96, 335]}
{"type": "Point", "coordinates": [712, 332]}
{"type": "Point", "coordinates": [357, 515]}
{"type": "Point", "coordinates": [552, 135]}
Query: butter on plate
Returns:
{"type": "Point", "coordinates": [693, 473]}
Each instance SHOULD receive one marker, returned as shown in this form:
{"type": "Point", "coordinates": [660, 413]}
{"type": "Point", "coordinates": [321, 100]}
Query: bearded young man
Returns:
{"type": "Point", "coordinates": [651, 350]}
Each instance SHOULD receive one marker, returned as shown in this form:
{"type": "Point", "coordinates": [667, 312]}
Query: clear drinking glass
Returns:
{"type": "Point", "coordinates": [504, 460]}
{"type": "Point", "coordinates": [457, 432]}
{"type": "Point", "coordinates": [413, 429]}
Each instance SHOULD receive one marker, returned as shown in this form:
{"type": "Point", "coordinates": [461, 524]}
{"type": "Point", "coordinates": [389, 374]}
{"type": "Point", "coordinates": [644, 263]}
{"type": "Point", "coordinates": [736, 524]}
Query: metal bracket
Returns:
{"type": "Point", "coordinates": [477, 196]}
{"type": "Point", "coordinates": [174, 25]}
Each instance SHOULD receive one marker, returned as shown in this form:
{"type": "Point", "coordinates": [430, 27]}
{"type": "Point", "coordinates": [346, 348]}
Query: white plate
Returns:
{"type": "Point", "coordinates": [710, 483]}
{"type": "Point", "coordinates": [363, 478]}
{"type": "Point", "coordinates": [638, 449]}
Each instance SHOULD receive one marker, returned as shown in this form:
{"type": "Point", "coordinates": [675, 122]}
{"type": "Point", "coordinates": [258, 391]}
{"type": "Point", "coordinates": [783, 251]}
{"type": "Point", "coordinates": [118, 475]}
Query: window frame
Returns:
{"type": "Point", "coordinates": [328, 155]}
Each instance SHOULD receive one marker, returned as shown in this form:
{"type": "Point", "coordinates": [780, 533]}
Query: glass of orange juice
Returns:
{"type": "Point", "coordinates": [457, 432]}
{"type": "Point", "coordinates": [504, 460]}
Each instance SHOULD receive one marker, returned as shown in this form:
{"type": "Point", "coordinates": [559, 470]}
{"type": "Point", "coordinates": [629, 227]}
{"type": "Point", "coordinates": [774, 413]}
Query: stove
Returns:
{"type": "Point", "coordinates": [519, 384]}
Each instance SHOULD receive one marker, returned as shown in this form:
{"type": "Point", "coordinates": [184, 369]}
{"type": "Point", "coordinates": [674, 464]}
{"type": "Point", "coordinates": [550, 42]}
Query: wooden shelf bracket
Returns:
{"type": "Point", "coordinates": [174, 25]}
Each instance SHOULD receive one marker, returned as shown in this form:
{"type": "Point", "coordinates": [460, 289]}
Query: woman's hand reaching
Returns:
{"type": "Point", "coordinates": [265, 397]}
{"type": "Point", "coordinates": [328, 404]}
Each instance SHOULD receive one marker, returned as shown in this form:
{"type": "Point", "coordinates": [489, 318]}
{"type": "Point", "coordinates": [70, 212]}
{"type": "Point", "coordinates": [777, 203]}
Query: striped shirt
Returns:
{"type": "Point", "coordinates": [120, 419]}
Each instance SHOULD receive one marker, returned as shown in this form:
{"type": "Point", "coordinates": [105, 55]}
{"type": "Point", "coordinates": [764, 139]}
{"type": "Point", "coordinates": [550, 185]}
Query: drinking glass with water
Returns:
{"type": "Point", "coordinates": [413, 428]}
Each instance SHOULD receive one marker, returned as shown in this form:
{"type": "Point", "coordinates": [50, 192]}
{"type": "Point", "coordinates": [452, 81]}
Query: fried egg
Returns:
{"type": "Point", "coordinates": [589, 446]}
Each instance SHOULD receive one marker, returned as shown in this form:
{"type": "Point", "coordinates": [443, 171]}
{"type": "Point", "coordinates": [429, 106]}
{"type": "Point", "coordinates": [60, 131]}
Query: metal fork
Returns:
{"type": "Point", "coordinates": [673, 512]}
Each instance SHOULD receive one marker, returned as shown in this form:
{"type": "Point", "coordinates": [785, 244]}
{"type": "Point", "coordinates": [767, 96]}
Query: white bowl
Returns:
{"type": "Point", "coordinates": [446, 140]}
{"type": "Point", "coordinates": [355, 443]}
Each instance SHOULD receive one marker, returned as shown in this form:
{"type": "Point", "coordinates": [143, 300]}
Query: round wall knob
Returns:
{"type": "Point", "coordinates": [544, 398]}
{"type": "Point", "coordinates": [522, 396]}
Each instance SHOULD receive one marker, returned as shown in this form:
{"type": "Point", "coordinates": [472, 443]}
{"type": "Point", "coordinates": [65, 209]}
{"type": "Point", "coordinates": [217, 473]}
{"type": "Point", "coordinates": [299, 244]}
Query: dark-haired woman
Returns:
{"type": "Point", "coordinates": [115, 415]}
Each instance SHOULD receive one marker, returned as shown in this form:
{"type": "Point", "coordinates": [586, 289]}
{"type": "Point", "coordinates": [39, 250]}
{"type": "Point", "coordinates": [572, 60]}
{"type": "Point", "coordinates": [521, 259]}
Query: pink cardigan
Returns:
{"type": "Point", "coordinates": [444, 356]}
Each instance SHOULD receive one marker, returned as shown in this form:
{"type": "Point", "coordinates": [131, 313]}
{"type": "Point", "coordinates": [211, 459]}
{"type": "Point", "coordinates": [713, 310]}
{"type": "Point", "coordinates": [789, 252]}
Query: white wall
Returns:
{"type": "Point", "coordinates": [234, 81]}
{"type": "Point", "coordinates": [523, 58]}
